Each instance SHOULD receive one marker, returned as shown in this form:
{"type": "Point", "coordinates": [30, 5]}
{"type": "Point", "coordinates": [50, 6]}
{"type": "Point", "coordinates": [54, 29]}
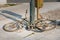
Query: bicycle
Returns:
{"type": "Point", "coordinates": [39, 25]}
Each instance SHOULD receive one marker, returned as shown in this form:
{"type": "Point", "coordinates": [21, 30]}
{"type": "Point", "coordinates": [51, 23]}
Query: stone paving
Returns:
{"type": "Point", "coordinates": [11, 14]}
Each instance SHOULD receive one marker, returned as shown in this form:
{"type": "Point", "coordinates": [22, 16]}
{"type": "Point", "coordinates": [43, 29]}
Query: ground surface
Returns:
{"type": "Point", "coordinates": [17, 12]}
{"type": "Point", "coordinates": [6, 5]}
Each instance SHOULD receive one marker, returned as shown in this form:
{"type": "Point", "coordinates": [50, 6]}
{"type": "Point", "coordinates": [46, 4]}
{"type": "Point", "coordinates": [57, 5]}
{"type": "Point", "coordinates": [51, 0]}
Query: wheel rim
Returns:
{"type": "Point", "coordinates": [10, 27]}
{"type": "Point", "coordinates": [43, 25]}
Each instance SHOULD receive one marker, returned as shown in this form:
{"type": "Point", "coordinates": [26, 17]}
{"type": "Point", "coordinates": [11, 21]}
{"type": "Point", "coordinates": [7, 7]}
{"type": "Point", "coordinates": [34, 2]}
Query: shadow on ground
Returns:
{"type": "Point", "coordinates": [10, 13]}
{"type": "Point", "coordinates": [55, 22]}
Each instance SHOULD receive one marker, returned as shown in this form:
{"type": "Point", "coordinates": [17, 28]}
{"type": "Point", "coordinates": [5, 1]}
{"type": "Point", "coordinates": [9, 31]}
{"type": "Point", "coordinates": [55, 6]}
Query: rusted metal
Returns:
{"type": "Point", "coordinates": [38, 5]}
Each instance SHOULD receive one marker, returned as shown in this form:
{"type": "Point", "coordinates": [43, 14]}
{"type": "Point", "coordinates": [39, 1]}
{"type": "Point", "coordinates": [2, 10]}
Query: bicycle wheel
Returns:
{"type": "Point", "coordinates": [45, 25]}
{"type": "Point", "coordinates": [10, 27]}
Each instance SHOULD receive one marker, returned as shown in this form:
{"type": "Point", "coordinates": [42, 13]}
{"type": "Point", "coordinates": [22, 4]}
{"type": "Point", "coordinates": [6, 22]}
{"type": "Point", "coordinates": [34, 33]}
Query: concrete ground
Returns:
{"type": "Point", "coordinates": [13, 13]}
